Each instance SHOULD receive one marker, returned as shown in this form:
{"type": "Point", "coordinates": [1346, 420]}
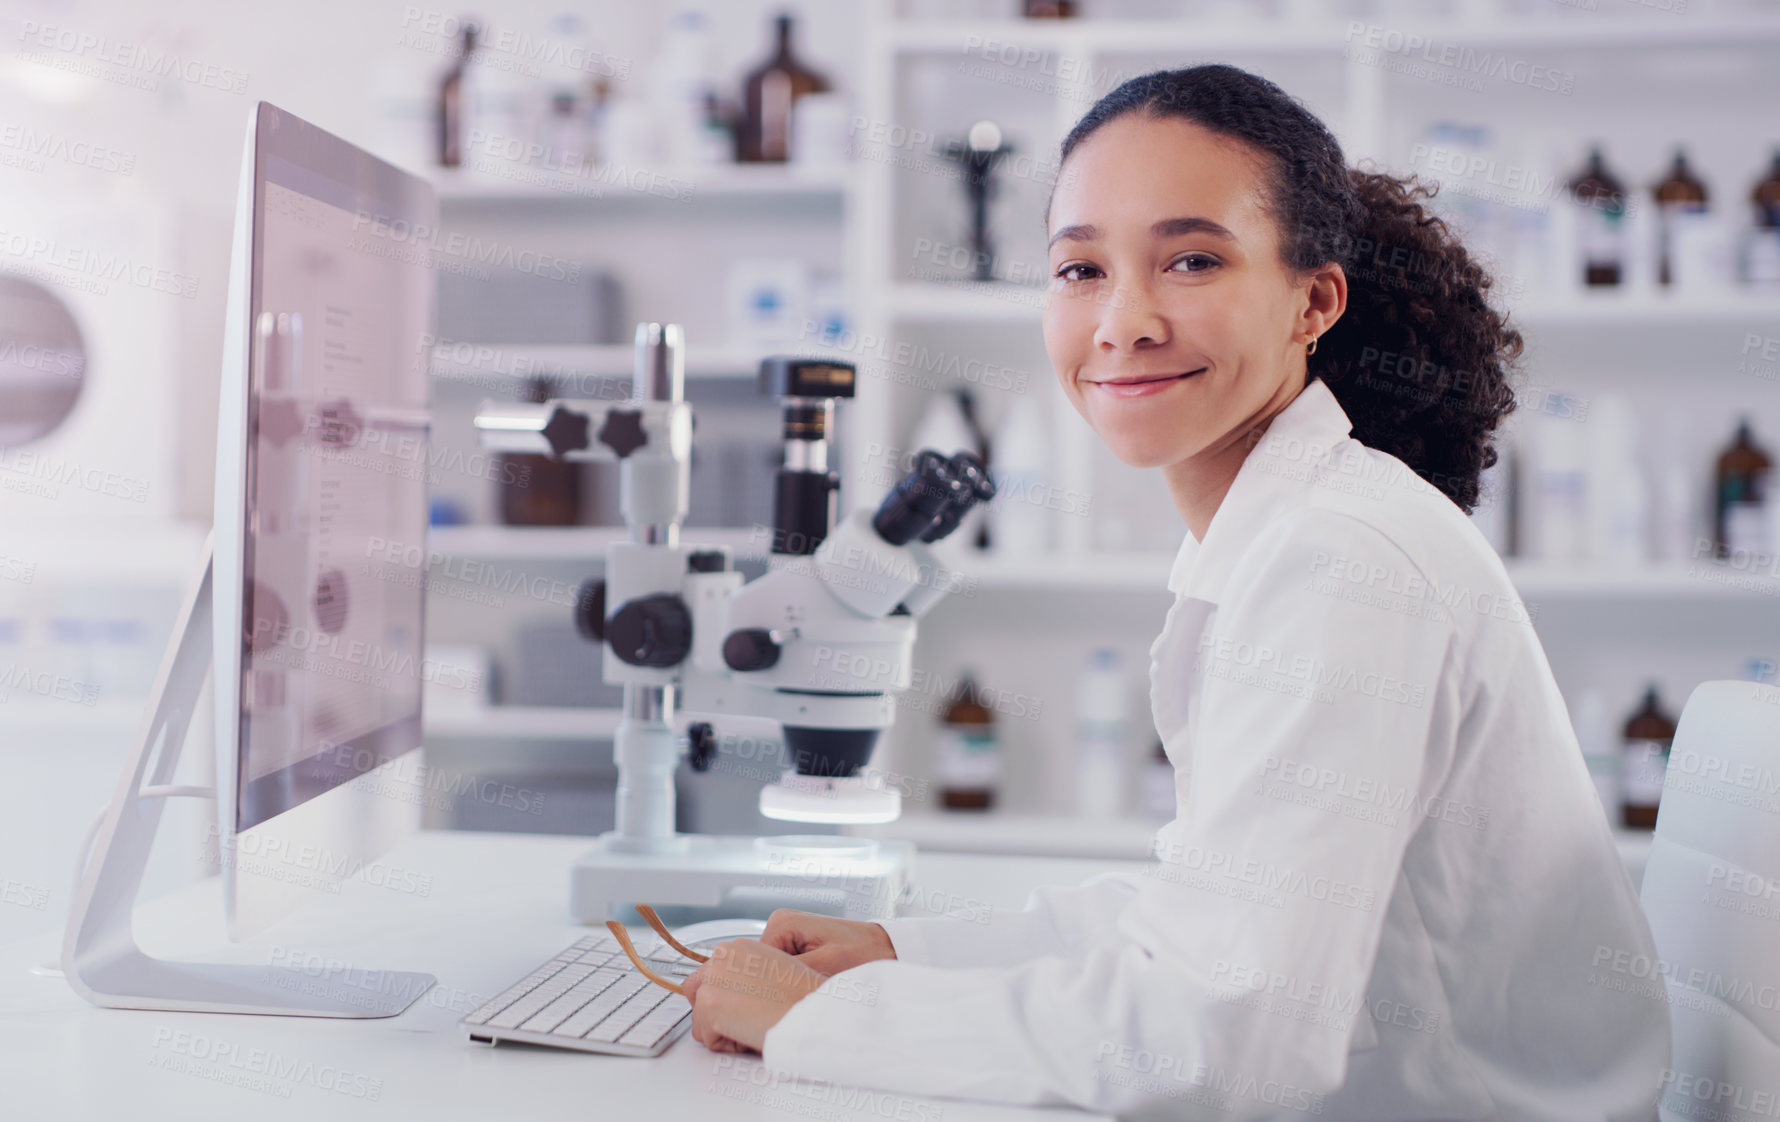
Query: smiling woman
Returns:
{"type": "Point", "coordinates": [1291, 265]}
{"type": "Point", "coordinates": [1388, 882]}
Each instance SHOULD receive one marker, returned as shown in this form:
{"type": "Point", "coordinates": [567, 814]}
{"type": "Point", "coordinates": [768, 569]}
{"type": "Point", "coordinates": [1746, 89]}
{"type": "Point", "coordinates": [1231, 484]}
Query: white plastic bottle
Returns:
{"type": "Point", "coordinates": [1619, 506]}
{"type": "Point", "coordinates": [1103, 738]}
{"type": "Point", "coordinates": [1558, 498]}
{"type": "Point", "coordinates": [1019, 515]}
{"type": "Point", "coordinates": [1594, 733]}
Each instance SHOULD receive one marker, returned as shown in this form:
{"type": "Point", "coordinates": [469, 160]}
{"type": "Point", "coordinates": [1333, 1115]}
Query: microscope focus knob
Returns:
{"type": "Point", "coordinates": [590, 611]}
{"type": "Point", "coordinates": [651, 631]}
{"type": "Point", "coordinates": [751, 648]}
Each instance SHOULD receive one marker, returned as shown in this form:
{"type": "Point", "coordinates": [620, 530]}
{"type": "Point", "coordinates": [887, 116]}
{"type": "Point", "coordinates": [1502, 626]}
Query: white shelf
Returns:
{"type": "Point", "coordinates": [663, 185]}
{"type": "Point", "coordinates": [1620, 311]}
{"type": "Point", "coordinates": [498, 362]}
{"type": "Point", "coordinates": [520, 722]}
{"type": "Point", "coordinates": [1540, 580]}
{"type": "Point", "coordinates": [967, 302]}
{"type": "Point", "coordinates": [1204, 37]}
{"type": "Point", "coordinates": [576, 543]}
{"type": "Point", "coordinates": [1134, 571]}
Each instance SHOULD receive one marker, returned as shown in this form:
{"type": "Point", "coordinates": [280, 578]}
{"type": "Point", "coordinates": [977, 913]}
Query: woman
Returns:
{"type": "Point", "coordinates": [1389, 891]}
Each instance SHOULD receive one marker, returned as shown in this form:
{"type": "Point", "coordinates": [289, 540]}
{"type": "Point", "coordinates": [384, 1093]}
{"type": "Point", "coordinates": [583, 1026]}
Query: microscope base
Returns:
{"type": "Point", "coordinates": [857, 878]}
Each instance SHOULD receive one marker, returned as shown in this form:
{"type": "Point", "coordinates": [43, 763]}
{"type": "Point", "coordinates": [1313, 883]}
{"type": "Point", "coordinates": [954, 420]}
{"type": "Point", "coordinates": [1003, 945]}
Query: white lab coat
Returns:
{"type": "Point", "coordinates": [1389, 891]}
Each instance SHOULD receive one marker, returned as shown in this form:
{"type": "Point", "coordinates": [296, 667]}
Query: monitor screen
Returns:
{"type": "Point", "coordinates": [337, 455]}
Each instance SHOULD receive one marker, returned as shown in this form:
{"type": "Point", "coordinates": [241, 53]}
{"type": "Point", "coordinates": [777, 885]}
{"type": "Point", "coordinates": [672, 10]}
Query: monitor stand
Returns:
{"type": "Point", "coordinates": [100, 958]}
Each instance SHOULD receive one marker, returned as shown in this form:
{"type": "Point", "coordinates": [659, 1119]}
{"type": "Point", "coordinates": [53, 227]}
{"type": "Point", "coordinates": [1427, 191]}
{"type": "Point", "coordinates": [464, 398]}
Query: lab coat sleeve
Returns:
{"type": "Point", "coordinates": [1055, 921]}
{"type": "Point", "coordinates": [1238, 982]}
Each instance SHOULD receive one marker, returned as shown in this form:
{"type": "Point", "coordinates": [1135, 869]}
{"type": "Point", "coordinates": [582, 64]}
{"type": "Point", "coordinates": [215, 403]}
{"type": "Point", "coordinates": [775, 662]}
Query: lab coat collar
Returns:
{"type": "Point", "coordinates": [1278, 470]}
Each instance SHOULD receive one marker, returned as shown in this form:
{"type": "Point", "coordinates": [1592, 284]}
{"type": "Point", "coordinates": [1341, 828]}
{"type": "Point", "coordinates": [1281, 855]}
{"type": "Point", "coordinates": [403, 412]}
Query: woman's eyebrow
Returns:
{"type": "Point", "coordinates": [1166, 228]}
{"type": "Point", "coordinates": [1175, 227]}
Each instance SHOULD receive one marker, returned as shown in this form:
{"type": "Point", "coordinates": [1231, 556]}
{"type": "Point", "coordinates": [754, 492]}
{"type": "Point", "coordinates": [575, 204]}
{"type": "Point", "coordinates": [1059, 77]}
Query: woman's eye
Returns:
{"type": "Point", "coordinates": [1204, 264]}
{"type": "Point", "coordinates": [1070, 272]}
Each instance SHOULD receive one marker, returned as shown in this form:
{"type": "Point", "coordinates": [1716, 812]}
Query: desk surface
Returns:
{"type": "Point", "coordinates": [476, 910]}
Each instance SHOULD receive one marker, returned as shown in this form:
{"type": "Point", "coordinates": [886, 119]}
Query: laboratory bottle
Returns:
{"type": "Point", "coordinates": [1102, 733]}
{"type": "Point", "coordinates": [1741, 482]}
{"type": "Point", "coordinates": [1594, 735]}
{"type": "Point", "coordinates": [1648, 735]}
{"type": "Point", "coordinates": [454, 100]}
{"type": "Point", "coordinates": [1020, 513]}
{"type": "Point", "coordinates": [539, 490]}
{"type": "Point", "coordinates": [768, 94]}
{"type": "Point", "coordinates": [1600, 222]}
{"type": "Point", "coordinates": [969, 751]}
{"type": "Point", "coordinates": [1761, 245]}
{"type": "Point", "coordinates": [1681, 204]}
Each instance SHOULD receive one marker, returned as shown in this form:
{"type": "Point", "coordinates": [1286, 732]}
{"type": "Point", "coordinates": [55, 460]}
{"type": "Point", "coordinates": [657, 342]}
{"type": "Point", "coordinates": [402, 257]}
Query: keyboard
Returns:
{"type": "Point", "coordinates": [591, 999]}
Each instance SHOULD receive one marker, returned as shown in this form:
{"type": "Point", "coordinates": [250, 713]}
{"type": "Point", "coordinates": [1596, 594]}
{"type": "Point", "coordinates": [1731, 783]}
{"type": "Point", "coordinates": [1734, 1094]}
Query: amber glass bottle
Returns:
{"type": "Point", "coordinates": [768, 95]}
{"type": "Point", "coordinates": [1741, 479]}
{"type": "Point", "coordinates": [539, 490]}
{"type": "Point", "coordinates": [450, 110]}
{"type": "Point", "coordinates": [1648, 735]}
{"type": "Point", "coordinates": [1600, 197]}
{"type": "Point", "coordinates": [969, 752]}
{"type": "Point", "coordinates": [1678, 195]}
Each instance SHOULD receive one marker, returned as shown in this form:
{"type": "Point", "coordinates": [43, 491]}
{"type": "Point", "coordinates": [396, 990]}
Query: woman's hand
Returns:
{"type": "Point", "coordinates": [824, 943]}
{"type": "Point", "coordinates": [744, 990]}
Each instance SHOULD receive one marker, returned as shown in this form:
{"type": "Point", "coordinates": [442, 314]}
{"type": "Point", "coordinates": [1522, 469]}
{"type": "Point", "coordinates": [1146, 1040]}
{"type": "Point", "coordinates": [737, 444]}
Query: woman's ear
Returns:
{"type": "Point", "coordinates": [1325, 299]}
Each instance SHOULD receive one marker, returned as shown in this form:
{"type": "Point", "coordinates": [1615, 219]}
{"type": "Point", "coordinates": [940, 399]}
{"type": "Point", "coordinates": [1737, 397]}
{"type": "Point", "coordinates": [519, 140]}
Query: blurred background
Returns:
{"type": "Point", "coordinates": [865, 179]}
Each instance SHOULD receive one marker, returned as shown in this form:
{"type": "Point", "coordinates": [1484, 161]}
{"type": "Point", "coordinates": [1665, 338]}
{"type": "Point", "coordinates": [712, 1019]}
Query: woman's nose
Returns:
{"type": "Point", "coordinates": [1129, 321]}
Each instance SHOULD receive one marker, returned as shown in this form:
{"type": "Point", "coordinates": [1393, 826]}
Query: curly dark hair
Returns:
{"type": "Point", "coordinates": [1419, 360]}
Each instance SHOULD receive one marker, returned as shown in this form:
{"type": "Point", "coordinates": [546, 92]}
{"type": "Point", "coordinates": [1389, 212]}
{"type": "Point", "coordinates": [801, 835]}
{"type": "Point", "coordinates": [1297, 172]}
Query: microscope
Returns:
{"type": "Point", "coordinates": [815, 645]}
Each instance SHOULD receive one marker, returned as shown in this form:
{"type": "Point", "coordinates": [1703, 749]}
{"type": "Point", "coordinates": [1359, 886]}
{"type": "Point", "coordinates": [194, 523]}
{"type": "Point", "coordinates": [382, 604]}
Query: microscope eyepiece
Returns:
{"type": "Point", "coordinates": [975, 487]}
{"type": "Point", "coordinates": [919, 499]}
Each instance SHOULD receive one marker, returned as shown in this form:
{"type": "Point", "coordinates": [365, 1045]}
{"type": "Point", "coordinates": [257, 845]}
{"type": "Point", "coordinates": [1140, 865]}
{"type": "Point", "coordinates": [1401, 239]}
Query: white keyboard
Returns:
{"type": "Point", "coordinates": [590, 998]}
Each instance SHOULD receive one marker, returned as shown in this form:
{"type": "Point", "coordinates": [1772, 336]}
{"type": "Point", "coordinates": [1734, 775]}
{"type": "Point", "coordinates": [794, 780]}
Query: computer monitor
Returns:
{"type": "Point", "coordinates": [313, 644]}
{"type": "Point", "coordinates": [321, 449]}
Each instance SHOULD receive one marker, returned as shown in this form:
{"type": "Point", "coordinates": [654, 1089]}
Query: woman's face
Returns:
{"type": "Point", "coordinates": [1164, 265]}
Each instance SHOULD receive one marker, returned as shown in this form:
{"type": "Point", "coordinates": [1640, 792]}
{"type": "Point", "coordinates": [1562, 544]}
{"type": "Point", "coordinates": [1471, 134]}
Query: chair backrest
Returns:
{"type": "Point", "coordinates": [1712, 895]}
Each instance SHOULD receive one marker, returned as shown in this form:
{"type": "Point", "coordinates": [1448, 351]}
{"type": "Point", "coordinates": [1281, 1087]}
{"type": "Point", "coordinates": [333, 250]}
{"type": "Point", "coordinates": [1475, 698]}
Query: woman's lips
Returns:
{"type": "Point", "coordinates": [1144, 389]}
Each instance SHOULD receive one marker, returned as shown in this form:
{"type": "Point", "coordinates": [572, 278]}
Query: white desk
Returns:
{"type": "Point", "coordinates": [493, 908]}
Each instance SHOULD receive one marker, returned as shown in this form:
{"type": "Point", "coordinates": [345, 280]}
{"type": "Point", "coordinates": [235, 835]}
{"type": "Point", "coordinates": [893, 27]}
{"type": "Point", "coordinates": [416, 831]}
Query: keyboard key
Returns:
{"type": "Point", "coordinates": [628, 1014]}
{"type": "Point", "coordinates": [559, 1010]}
{"type": "Point", "coordinates": [513, 993]}
{"type": "Point", "coordinates": [658, 1023]}
{"type": "Point", "coordinates": [531, 1003]}
{"type": "Point", "coordinates": [600, 1007]}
